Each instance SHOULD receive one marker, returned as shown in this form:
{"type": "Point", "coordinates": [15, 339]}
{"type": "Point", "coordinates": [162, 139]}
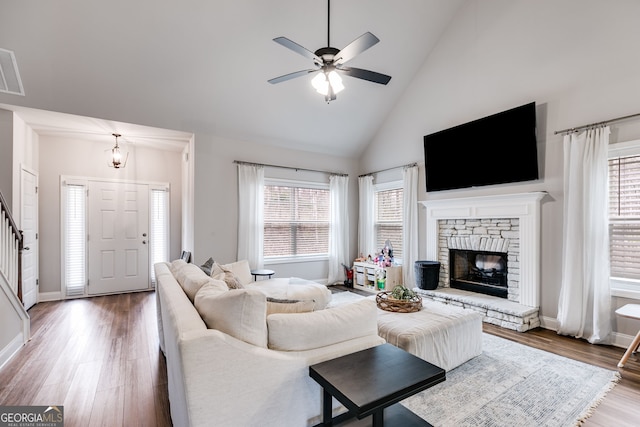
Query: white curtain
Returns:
{"type": "Point", "coordinates": [409, 224]}
{"type": "Point", "coordinates": [366, 235]}
{"type": "Point", "coordinates": [251, 214]}
{"type": "Point", "coordinates": [584, 308]}
{"type": "Point", "coordinates": [339, 228]}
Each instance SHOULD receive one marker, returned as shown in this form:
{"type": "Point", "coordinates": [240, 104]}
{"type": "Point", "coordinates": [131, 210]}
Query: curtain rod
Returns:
{"type": "Point", "coordinates": [596, 124]}
{"type": "Point", "coordinates": [240, 162]}
{"type": "Point", "coordinates": [388, 169]}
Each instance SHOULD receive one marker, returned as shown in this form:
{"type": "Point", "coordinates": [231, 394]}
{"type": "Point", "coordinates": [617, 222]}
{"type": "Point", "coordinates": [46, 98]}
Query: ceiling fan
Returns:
{"type": "Point", "coordinates": [329, 63]}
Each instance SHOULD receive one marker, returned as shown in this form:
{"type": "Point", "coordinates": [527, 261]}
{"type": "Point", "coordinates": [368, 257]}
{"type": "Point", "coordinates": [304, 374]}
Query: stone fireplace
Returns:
{"type": "Point", "coordinates": [496, 239]}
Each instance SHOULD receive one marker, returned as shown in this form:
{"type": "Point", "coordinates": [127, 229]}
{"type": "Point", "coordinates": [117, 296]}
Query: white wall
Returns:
{"type": "Point", "coordinates": [577, 59]}
{"type": "Point", "coordinates": [82, 158]}
{"type": "Point", "coordinates": [216, 196]}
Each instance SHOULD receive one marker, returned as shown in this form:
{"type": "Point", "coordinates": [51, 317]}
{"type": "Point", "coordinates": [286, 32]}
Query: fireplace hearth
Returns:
{"type": "Point", "coordinates": [479, 271]}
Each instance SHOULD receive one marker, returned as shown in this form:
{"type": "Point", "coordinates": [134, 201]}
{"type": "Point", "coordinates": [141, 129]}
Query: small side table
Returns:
{"type": "Point", "coordinates": [631, 311]}
{"type": "Point", "coordinates": [262, 272]}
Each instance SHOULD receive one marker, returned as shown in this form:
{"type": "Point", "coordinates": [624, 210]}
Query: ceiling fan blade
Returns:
{"type": "Point", "coordinates": [291, 76]}
{"type": "Point", "coordinates": [371, 76]}
{"type": "Point", "coordinates": [355, 48]}
{"type": "Point", "coordinates": [298, 49]}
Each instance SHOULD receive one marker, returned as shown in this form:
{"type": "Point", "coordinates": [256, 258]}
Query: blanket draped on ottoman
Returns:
{"type": "Point", "coordinates": [441, 334]}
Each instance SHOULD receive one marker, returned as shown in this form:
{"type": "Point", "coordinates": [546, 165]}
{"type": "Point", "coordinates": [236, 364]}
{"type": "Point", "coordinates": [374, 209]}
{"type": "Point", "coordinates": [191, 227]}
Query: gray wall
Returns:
{"type": "Point", "coordinates": [81, 158]}
{"type": "Point", "coordinates": [575, 59]}
{"type": "Point", "coordinates": [216, 196]}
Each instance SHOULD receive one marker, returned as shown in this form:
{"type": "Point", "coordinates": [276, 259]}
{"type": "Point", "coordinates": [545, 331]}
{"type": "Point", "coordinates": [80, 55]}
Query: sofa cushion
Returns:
{"type": "Point", "coordinates": [275, 305]}
{"type": "Point", "coordinates": [294, 289]}
{"type": "Point", "coordinates": [307, 331]}
{"type": "Point", "coordinates": [241, 269]}
{"type": "Point", "coordinates": [240, 313]}
{"type": "Point", "coordinates": [176, 266]}
{"type": "Point", "coordinates": [191, 278]}
{"type": "Point", "coordinates": [212, 288]}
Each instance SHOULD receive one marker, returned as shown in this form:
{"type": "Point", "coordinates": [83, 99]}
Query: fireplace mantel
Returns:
{"type": "Point", "coordinates": [523, 206]}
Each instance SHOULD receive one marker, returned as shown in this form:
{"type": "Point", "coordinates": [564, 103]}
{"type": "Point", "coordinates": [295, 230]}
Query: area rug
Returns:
{"type": "Point", "coordinates": [343, 297]}
{"type": "Point", "coordinates": [511, 384]}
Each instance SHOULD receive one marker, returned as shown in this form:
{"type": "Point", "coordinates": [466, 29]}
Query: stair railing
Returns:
{"type": "Point", "coordinates": [10, 249]}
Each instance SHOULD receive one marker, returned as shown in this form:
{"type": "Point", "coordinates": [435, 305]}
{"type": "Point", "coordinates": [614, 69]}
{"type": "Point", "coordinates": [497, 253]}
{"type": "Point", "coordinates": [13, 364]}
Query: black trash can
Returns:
{"type": "Point", "coordinates": [427, 274]}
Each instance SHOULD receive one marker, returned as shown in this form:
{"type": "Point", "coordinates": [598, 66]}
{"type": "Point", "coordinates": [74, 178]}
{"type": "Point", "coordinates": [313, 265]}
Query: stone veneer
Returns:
{"type": "Point", "coordinates": [495, 310]}
{"type": "Point", "coordinates": [490, 234]}
{"type": "Point", "coordinates": [508, 223]}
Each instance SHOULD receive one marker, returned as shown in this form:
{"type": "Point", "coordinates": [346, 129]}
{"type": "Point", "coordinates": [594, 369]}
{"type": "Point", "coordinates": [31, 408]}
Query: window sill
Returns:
{"type": "Point", "coordinates": [625, 293]}
{"type": "Point", "coordinates": [296, 259]}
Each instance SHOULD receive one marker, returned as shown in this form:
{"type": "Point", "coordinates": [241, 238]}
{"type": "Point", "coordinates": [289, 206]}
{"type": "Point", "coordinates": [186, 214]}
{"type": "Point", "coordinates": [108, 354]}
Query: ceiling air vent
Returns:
{"type": "Point", "coordinates": [9, 77]}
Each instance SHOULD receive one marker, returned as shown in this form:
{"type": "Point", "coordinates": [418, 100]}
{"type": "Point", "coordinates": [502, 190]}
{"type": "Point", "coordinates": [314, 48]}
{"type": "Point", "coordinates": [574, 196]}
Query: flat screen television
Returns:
{"type": "Point", "coordinates": [496, 149]}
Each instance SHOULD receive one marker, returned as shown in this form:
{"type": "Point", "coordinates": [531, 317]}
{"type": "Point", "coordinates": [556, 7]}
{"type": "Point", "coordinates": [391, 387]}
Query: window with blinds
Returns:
{"type": "Point", "coordinates": [624, 217]}
{"type": "Point", "coordinates": [75, 235]}
{"type": "Point", "coordinates": [388, 219]}
{"type": "Point", "coordinates": [296, 221]}
{"type": "Point", "coordinates": [159, 229]}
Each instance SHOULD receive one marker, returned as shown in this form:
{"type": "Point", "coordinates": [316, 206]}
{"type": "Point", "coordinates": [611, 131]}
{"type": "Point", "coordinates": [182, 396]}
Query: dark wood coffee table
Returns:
{"type": "Point", "coordinates": [368, 381]}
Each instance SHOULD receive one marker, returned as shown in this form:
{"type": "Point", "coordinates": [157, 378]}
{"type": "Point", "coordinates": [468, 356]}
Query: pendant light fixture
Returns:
{"type": "Point", "coordinates": [116, 155]}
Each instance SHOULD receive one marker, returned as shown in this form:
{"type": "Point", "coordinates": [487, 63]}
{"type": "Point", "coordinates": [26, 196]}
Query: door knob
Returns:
{"type": "Point", "coordinates": [26, 248]}
{"type": "Point", "coordinates": [144, 234]}
{"type": "Point", "coordinates": [144, 242]}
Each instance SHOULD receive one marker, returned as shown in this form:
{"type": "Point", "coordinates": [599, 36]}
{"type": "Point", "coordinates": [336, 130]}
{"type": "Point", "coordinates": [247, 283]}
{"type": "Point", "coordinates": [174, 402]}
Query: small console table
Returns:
{"type": "Point", "coordinates": [263, 272]}
{"type": "Point", "coordinates": [369, 381]}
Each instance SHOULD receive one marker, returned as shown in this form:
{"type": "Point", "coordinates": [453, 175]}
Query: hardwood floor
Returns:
{"type": "Point", "coordinates": [99, 357]}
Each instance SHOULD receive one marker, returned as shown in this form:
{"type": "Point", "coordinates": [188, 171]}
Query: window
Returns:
{"type": "Point", "coordinates": [624, 218]}
{"type": "Point", "coordinates": [159, 229]}
{"type": "Point", "coordinates": [296, 220]}
{"type": "Point", "coordinates": [388, 217]}
{"type": "Point", "coordinates": [75, 235]}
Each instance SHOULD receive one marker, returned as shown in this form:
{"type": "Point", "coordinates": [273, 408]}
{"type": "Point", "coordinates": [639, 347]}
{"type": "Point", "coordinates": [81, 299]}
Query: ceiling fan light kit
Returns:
{"type": "Point", "coordinates": [329, 63]}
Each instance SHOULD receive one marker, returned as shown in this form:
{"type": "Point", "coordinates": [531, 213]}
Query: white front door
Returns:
{"type": "Point", "coordinates": [29, 226]}
{"type": "Point", "coordinates": [118, 237]}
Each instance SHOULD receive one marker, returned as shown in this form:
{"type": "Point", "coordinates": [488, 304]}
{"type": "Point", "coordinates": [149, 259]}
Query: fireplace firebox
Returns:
{"type": "Point", "coordinates": [479, 271]}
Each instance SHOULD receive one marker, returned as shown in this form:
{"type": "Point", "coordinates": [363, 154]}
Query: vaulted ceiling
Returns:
{"type": "Point", "coordinates": [202, 66]}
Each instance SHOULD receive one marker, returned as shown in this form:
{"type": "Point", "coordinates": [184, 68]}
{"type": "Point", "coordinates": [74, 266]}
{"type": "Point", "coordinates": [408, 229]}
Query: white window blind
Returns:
{"type": "Point", "coordinates": [624, 217]}
{"type": "Point", "coordinates": [75, 249]}
{"type": "Point", "coordinates": [296, 221]}
{"type": "Point", "coordinates": [388, 219]}
{"type": "Point", "coordinates": [159, 229]}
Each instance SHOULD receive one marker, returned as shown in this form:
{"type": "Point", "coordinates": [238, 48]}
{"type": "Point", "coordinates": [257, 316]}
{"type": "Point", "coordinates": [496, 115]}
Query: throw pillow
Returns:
{"type": "Point", "coordinates": [240, 313]}
{"type": "Point", "coordinates": [207, 266]}
{"type": "Point", "coordinates": [275, 305]}
{"type": "Point", "coordinates": [221, 272]}
{"type": "Point", "coordinates": [241, 269]}
{"type": "Point", "coordinates": [232, 280]}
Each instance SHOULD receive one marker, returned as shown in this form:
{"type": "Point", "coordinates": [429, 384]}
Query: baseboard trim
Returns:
{"type": "Point", "coordinates": [11, 349]}
{"type": "Point", "coordinates": [49, 296]}
{"type": "Point", "coordinates": [617, 339]}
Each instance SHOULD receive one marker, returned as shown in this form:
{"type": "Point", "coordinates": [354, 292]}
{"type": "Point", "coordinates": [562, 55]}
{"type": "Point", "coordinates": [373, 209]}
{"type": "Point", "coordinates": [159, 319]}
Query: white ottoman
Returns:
{"type": "Point", "coordinates": [443, 335]}
{"type": "Point", "coordinates": [293, 288]}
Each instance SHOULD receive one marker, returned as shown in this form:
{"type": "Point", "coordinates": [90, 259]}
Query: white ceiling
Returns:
{"type": "Point", "coordinates": [202, 67]}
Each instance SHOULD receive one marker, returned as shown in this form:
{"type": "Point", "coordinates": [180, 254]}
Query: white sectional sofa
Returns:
{"type": "Point", "coordinates": [231, 364]}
